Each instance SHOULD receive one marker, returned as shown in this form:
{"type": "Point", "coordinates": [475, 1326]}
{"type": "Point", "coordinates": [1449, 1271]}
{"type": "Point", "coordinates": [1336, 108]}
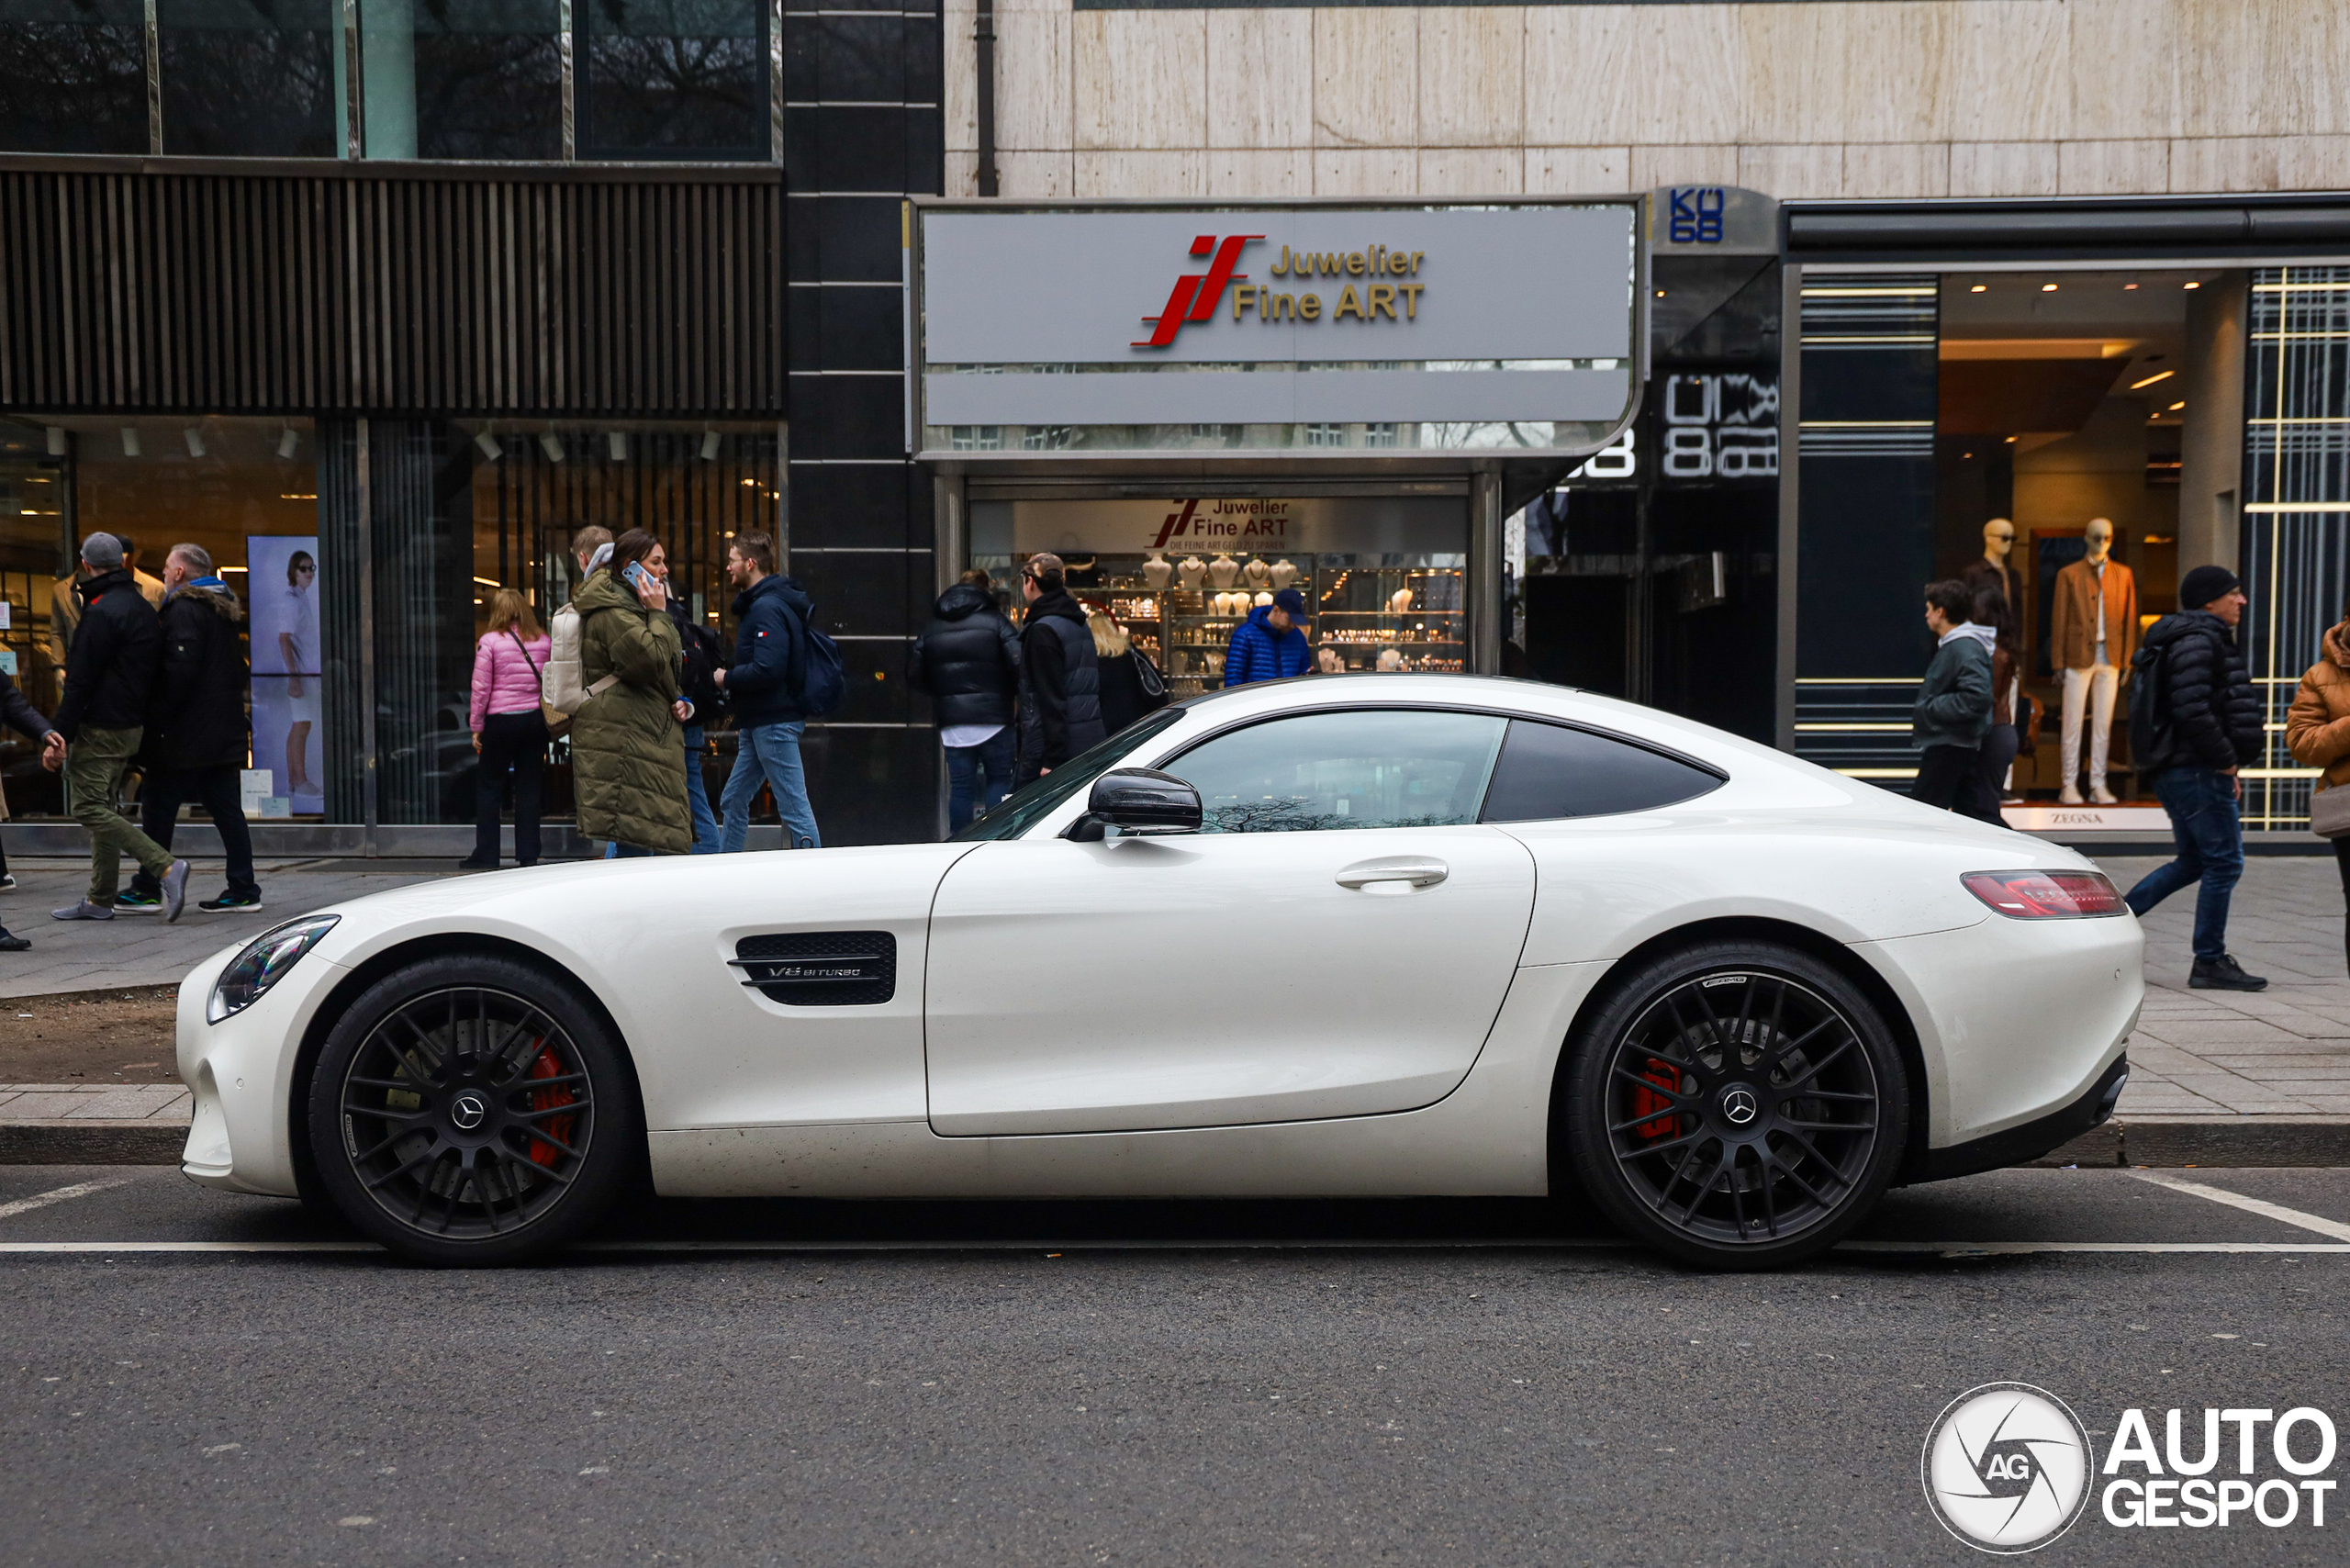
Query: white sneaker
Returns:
{"type": "Point", "coordinates": [2070, 795]}
{"type": "Point", "coordinates": [2103, 796]}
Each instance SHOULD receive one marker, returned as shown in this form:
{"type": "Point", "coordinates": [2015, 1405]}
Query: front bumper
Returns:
{"type": "Point", "coordinates": [240, 1074]}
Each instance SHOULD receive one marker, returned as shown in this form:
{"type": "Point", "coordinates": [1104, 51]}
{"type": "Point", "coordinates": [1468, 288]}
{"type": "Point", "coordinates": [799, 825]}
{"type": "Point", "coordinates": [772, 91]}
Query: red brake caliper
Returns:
{"type": "Point", "coordinates": [545, 1066]}
{"type": "Point", "coordinates": [1645, 1100]}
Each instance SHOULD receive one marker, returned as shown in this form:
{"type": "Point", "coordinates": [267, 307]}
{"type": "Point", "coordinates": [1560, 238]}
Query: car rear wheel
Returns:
{"type": "Point", "coordinates": [1736, 1104]}
{"type": "Point", "coordinates": [467, 1111]}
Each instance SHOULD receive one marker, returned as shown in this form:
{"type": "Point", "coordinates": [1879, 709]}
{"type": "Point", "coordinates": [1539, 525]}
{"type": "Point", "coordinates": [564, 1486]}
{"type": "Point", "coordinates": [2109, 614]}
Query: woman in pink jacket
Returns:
{"type": "Point", "coordinates": [509, 731]}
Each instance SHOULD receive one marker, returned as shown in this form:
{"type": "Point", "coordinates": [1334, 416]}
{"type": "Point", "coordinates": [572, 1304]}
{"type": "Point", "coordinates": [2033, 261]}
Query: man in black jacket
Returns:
{"type": "Point", "coordinates": [762, 689]}
{"type": "Point", "coordinates": [198, 738]}
{"type": "Point", "coordinates": [1060, 684]}
{"type": "Point", "coordinates": [967, 658]}
{"type": "Point", "coordinates": [109, 684]}
{"type": "Point", "coordinates": [2206, 726]}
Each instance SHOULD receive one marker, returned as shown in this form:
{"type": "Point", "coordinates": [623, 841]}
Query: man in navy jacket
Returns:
{"type": "Point", "coordinates": [763, 693]}
{"type": "Point", "coordinates": [1269, 645]}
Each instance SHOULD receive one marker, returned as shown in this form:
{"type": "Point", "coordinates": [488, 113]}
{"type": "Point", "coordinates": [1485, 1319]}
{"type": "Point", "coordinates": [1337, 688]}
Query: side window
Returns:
{"type": "Point", "coordinates": [1379, 768]}
{"type": "Point", "coordinates": [1549, 770]}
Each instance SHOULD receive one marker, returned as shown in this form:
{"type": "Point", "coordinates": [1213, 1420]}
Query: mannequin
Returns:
{"type": "Point", "coordinates": [1256, 573]}
{"type": "Point", "coordinates": [1194, 572]}
{"type": "Point", "coordinates": [1991, 570]}
{"type": "Point", "coordinates": [2092, 635]}
{"type": "Point", "coordinates": [1283, 574]}
{"type": "Point", "coordinates": [1155, 571]}
{"type": "Point", "coordinates": [1222, 571]}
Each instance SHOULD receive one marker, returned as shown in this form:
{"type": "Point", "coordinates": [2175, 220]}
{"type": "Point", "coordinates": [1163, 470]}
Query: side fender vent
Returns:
{"type": "Point", "coordinates": [821, 969]}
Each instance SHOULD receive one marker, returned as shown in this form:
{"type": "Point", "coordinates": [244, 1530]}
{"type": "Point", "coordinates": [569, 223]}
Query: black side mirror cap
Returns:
{"type": "Point", "coordinates": [1137, 800]}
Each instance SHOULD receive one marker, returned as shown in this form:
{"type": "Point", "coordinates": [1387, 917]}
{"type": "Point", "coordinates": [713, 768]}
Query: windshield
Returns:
{"type": "Point", "coordinates": [1021, 809]}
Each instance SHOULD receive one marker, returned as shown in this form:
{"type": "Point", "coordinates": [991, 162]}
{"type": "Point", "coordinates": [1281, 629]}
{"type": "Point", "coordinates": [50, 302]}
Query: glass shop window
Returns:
{"type": "Point", "coordinates": [672, 78]}
{"type": "Point", "coordinates": [462, 79]}
{"type": "Point", "coordinates": [1320, 772]}
{"type": "Point", "coordinates": [72, 76]}
{"type": "Point", "coordinates": [250, 78]}
{"type": "Point", "coordinates": [1549, 771]}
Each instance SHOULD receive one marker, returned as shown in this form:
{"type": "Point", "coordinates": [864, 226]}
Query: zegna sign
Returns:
{"type": "Point", "coordinates": [1432, 322]}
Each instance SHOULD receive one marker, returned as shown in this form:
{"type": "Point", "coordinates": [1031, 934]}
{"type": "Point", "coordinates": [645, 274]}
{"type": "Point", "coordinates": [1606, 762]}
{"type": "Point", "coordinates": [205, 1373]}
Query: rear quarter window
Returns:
{"type": "Point", "coordinates": [1548, 771]}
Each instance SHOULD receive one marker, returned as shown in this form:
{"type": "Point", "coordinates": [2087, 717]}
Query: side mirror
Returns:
{"type": "Point", "coordinates": [1137, 800]}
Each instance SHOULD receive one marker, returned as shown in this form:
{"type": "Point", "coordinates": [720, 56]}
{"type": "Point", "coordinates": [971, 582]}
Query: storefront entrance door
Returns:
{"type": "Point", "coordinates": [1216, 979]}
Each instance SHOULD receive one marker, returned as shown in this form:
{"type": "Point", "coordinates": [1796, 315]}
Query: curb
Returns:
{"type": "Point", "coordinates": [2176, 1141]}
{"type": "Point", "coordinates": [62, 1141]}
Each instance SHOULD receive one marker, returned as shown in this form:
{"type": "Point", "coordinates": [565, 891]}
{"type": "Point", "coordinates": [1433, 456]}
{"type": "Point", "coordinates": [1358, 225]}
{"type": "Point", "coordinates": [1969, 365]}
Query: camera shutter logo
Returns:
{"type": "Point", "coordinates": [2007, 1468]}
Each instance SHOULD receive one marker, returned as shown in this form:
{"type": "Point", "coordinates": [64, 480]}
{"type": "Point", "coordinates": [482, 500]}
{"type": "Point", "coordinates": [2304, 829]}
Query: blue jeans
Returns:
{"type": "Point", "coordinates": [772, 751]}
{"type": "Point", "coordinates": [698, 795]}
{"type": "Point", "coordinates": [978, 777]}
{"type": "Point", "coordinates": [2203, 819]}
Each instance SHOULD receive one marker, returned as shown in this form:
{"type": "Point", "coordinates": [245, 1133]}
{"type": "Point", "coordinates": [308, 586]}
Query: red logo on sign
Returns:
{"type": "Point", "coordinates": [1176, 523]}
{"type": "Point", "coordinates": [1195, 298]}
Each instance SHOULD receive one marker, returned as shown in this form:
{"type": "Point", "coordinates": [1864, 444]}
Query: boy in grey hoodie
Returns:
{"type": "Point", "coordinates": [1954, 707]}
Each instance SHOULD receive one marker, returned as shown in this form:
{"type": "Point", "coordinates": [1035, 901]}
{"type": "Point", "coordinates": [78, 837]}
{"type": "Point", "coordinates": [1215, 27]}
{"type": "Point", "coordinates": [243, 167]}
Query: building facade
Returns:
{"type": "Point", "coordinates": [416, 289]}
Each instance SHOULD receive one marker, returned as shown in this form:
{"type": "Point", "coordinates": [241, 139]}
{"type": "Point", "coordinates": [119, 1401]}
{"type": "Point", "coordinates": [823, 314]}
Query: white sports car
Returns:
{"type": "Point", "coordinates": [1341, 935]}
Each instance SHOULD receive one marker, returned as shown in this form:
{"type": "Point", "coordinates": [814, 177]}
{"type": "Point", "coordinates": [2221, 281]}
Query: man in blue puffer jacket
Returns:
{"type": "Point", "coordinates": [1269, 645]}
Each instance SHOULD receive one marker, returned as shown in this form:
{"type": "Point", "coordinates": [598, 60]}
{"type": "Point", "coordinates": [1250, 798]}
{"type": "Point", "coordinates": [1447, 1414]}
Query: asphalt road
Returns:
{"type": "Point", "coordinates": [1087, 1383]}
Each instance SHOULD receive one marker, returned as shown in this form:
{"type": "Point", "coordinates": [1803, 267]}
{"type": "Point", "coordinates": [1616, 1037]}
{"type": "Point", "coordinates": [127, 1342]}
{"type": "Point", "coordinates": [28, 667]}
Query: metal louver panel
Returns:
{"type": "Point", "coordinates": [188, 286]}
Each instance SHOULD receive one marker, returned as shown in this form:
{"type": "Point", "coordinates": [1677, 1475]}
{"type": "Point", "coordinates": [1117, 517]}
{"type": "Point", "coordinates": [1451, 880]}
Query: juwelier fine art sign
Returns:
{"type": "Point", "coordinates": [1304, 328]}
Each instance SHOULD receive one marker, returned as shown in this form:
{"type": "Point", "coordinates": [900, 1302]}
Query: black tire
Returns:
{"type": "Point", "coordinates": [473, 1111]}
{"type": "Point", "coordinates": [1736, 1104]}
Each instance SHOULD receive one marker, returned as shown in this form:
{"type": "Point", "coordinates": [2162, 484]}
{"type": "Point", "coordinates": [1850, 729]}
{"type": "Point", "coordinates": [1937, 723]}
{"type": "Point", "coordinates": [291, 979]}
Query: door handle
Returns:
{"type": "Point", "coordinates": [1417, 870]}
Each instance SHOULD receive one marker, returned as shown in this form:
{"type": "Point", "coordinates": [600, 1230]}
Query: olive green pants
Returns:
{"type": "Point", "coordinates": [94, 764]}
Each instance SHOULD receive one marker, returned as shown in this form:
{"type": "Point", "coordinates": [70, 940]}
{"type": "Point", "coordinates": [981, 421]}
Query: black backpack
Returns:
{"type": "Point", "coordinates": [2150, 708]}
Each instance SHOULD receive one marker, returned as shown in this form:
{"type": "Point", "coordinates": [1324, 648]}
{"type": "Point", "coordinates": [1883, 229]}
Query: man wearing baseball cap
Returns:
{"type": "Point", "coordinates": [1269, 645]}
{"type": "Point", "coordinates": [2194, 721]}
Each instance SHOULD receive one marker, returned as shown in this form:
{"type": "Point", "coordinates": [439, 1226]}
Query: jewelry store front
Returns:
{"type": "Point", "coordinates": [1197, 409]}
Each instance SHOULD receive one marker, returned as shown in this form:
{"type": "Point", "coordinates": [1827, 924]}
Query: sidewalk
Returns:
{"type": "Point", "coordinates": [141, 949]}
{"type": "Point", "coordinates": [2217, 1077]}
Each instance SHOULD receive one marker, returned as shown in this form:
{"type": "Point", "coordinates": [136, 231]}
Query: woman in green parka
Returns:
{"type": "Point", "coordinates": [628, 751]}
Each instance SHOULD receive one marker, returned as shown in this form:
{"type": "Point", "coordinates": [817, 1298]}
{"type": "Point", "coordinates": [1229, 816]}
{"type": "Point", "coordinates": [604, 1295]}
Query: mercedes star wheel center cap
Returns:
{"type": "Point", "coordinates": [469, 1109]}
{"type": "Point", "coordinates": [1739, 1105]}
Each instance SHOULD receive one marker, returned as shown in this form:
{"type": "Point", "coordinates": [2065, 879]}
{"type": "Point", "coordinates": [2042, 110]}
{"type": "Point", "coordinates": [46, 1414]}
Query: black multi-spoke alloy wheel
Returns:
{"type": "Point", "coordinates": [1736, 1104]}
{"type": "Point", "coordinates": [473, 1111]}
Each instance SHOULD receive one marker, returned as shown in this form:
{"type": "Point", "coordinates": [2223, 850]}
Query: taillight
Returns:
{"type": "Point", "coordinates": [2045, 895]}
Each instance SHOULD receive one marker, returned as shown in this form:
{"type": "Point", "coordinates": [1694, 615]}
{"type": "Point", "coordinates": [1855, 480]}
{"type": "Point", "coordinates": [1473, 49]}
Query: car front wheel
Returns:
{"type": "Point", "coordinates": [1736, 1104]}
{"type": "Point", "coordinates": [466, 1111]}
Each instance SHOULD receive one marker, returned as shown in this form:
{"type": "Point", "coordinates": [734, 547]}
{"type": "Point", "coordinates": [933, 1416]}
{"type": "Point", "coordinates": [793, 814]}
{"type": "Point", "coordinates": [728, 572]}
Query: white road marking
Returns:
{"type": "Point", "coordinates": [1939, 1248]}
{"type": "Point", "coordinates": [2334, 1229]}
{"type": "Point", "coordinates": [42, 1200]}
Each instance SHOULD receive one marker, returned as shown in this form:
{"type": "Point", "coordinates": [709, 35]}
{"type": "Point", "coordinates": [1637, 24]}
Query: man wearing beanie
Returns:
{"type": "Point", "coordinates": [109, 680]}
{"type": "Point", "coordinates": [2194, 721]}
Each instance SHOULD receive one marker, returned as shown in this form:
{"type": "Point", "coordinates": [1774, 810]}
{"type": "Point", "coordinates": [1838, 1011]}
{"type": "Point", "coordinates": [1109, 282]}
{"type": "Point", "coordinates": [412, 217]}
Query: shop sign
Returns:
{"type": "Point", "coordinates": [1712, 221]}
{"type": "Point", "coordinates": [1431, 323]}
{"type": "Point", "coordinates": [1354, 525]}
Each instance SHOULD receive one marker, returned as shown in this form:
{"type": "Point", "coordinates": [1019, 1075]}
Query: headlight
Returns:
{"type": "Point", "coordinates": [264, 963]}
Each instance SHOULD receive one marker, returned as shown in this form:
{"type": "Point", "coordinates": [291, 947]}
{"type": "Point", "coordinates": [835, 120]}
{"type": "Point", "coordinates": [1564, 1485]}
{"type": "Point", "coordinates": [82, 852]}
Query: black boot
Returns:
{"type": "Point", "coordinates": [2223, 973]}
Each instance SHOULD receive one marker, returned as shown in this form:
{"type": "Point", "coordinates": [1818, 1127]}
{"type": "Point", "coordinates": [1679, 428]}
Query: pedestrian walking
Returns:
{"type": "Point", "coordinates": [968, 659]}
{"type": "Point", "coordinates": [2317, 731]}
{"type": "Point", "coordinates": [1271, 644]}
{"type": "Point", "coordinates": [764, 689]}
{"type": "Point", "coordinates": [698, 679]}
{"type": "Point", "coordinates": [510, 728]}
{"type": "Point", "coordinates": [2009, 705]}
{"type": "Point", "coordinates": [628, 757]}
{"type": "Point", "coordinates": [197, 733]}
{"type": "Point", "coordinates": [18, 714]}
{"type": "Point", "coordinates": [1061, 679]}
{"type": "Point", "coordinates": [109, 684]}
{"type": "Point", "coordinates": [1953, 708]}
{"type": "Point", "coordinates": [1130, 684]}
{"type": "Point", "coordinates": [2194, 722]}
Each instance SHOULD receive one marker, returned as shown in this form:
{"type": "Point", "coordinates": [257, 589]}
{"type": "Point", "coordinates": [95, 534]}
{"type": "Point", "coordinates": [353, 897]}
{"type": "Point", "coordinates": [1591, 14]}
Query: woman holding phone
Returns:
{"type": "Point", "coordinates": [628, 756]}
